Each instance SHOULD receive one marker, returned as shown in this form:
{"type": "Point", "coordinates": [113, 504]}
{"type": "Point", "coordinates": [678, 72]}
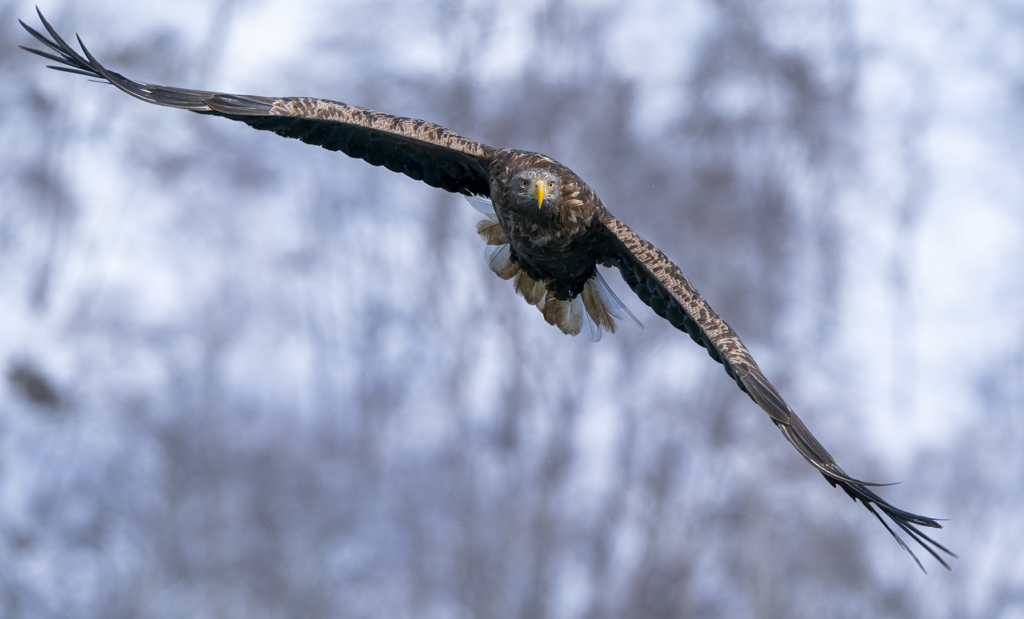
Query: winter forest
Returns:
{"type": "Point", "coordinates": [241, 376]}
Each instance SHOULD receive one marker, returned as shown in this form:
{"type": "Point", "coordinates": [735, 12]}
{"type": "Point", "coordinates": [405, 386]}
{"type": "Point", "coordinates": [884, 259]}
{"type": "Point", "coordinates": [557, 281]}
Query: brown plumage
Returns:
{"type": "Point", "coordinates": [546, 230]}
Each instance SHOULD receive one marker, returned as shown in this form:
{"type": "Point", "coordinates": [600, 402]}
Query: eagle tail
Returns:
{"type": "Point", "coordinates": [605, 305]}
{"type": "Point", "coordinates": [589, 313]}
{"type": "Point", "coordinates": [499, 259]}
{"type": "Point", "coordinates": [484, 206]}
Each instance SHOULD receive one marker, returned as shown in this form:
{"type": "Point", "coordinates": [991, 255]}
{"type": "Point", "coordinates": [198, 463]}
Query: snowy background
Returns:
{"type": "Point", "coordinates": [246, 377]}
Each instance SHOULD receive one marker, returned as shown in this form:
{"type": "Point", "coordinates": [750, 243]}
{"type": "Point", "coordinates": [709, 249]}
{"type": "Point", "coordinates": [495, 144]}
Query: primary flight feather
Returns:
{"type": "Point", "coordinates": [546, 230]}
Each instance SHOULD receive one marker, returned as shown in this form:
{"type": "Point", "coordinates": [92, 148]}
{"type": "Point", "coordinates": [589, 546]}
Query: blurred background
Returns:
{"type": "Point", "coordinates": [246, 377]}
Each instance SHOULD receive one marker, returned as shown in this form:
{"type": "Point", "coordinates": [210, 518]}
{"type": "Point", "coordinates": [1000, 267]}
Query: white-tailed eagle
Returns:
{"type": "Point", "coordinates": [546, 230]}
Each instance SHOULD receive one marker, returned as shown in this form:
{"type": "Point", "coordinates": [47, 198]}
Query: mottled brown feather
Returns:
{"type": "Point", "coordinates": [491, 232]}
{"type": "Point", "coordinates": [596, 308]}
{"type": "Point", "coordinates": [559, 313]}
{"type": "Point", "coordinates": [417, 148]}
{"type": "Point", "coordinates": [533, 291]}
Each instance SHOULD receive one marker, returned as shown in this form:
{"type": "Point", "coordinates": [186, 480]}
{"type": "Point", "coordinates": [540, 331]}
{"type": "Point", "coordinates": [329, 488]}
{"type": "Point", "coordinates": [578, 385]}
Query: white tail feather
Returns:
{"type": "Point", "coordinates": [575, 317]}
{"type": "Point", "coordinates": [611, 303]}
{"type": "Point", "coordinates": [588, 327]}
{"type": "Point", "coordinates": [483, 205]}
{"type": "Point", "coordinates": [499, 259]}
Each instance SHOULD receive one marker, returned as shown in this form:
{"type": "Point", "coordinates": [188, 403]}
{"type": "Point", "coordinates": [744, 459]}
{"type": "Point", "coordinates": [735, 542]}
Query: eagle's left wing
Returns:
{"type": "Point", "coordinates": [417, 148]}
{"type": "Point", "coordinates": [660, 284]}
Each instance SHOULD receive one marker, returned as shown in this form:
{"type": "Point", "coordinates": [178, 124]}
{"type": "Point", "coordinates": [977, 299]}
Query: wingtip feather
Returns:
{"type": "Point", "coordinates": [765, 396]}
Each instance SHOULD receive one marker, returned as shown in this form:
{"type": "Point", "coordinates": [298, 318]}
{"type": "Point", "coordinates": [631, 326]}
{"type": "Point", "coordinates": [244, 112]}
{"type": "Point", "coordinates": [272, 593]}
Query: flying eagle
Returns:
{"type": "Point", "coordinates": [545, 230]}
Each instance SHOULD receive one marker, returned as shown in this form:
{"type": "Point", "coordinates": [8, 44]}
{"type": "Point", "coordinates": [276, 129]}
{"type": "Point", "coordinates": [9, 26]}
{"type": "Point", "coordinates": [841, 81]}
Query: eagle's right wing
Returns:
{"type": "Point", "coordinates": [660, 284]}
{"type": "Point", "coordinates": [416, 148]}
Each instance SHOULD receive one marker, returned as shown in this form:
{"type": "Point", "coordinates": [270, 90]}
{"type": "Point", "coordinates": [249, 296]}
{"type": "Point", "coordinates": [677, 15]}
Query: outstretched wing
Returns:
{"type": "Point", "coordinates": [416, 148]}
{"type": "Point", "coordinates": [660, 284]}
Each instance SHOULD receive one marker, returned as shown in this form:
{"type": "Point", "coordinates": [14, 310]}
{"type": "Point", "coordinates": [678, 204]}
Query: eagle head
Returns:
{"type": "Point", "coordinates": [534, 189]}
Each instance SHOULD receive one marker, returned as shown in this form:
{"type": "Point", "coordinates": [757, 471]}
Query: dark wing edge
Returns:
{"type": "Point", "coordinates": [417, 148]}
{"type": "Point", "coordinates": [660, 284]}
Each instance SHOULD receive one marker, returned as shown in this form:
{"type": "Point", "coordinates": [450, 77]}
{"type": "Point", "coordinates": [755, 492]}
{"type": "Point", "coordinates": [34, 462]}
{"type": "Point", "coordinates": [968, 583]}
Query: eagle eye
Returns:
{"type": "Point", "coordinates": [551, 184]}
{"type": "Point", "coordinates": [523, 183]}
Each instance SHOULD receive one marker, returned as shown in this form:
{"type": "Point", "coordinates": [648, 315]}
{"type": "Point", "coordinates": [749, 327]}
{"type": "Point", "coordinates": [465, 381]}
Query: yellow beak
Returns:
{"type": "Point", "coordinates": [538, 191]}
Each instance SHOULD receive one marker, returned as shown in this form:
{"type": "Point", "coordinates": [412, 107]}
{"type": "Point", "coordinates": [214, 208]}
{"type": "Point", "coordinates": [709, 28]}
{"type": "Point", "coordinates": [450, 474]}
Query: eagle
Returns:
{"type": "Point", "coordinates": [544, 229]}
